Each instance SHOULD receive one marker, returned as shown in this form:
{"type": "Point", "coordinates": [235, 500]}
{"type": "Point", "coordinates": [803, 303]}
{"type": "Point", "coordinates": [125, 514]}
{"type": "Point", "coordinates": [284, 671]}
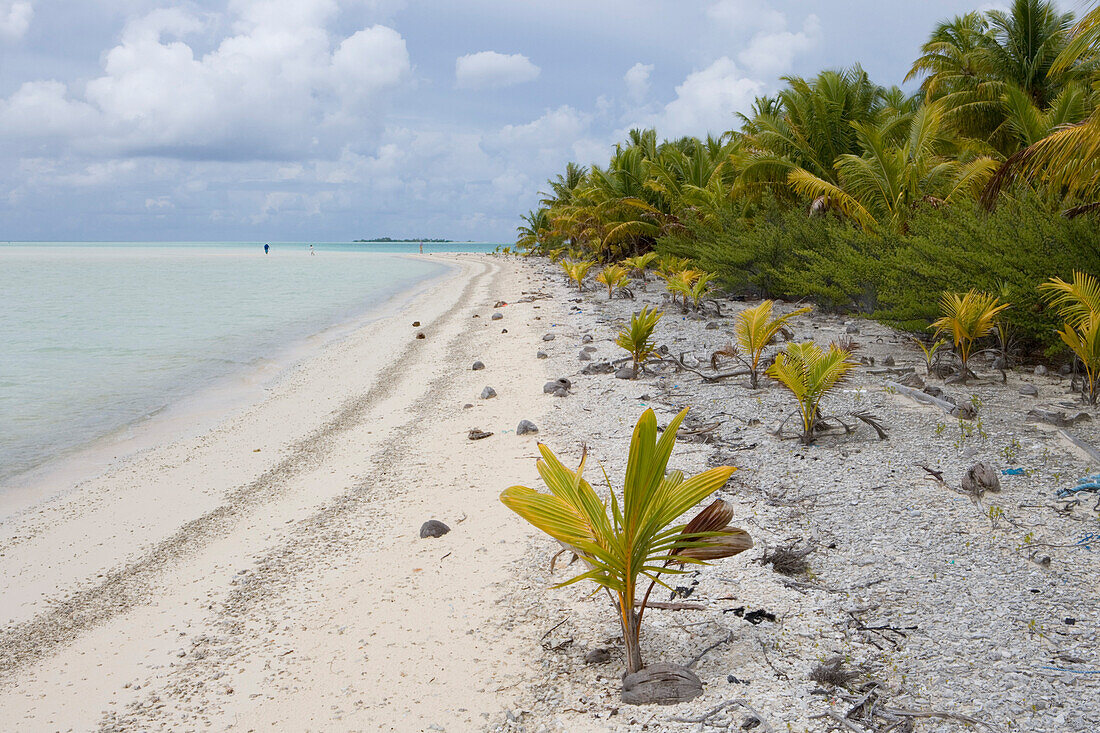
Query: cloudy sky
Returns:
{"type": "Point", "coordinates": [336, 119]}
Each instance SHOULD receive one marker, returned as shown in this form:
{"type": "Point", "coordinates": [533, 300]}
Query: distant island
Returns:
{"type": "Point", "coordinates": [390, 239]}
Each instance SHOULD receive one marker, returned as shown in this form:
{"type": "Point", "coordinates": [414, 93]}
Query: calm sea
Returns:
{"type": "Point", "coordinates": [95, 337]}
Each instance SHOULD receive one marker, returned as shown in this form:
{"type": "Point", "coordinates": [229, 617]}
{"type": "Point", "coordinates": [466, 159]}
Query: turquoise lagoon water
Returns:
{"type": "Point", "coordinates": [97, 336]}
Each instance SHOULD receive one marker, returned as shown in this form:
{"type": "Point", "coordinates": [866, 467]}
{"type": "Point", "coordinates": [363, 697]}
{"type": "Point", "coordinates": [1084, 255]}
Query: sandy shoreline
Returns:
{"type": "Point", "coordinates": [204, 585]}
{"type": "Point", "coordinates": [108, 590]}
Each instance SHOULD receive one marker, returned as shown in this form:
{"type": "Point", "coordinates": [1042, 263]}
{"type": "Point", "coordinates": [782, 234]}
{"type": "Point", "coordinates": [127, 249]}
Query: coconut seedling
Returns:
{"type": "Point", "coordinates": [639, 263]}
{"type": "Point", "coordinates": [1079, 304]}
{"type": "Point", "coordinates": [630, 541]}
{"type": "Point", "coordinates": [1084, 341]}
{"type": "Point", "coordinates": [700, 287]}
{"type": "Point", "coordinates": [576, 271]}
{"type": "Point", "coordinates": [930, 352]}
{"type": "Point", "coordinates": [967, 317]}
{"type": "Point", "coordinates": [810, 373]}
{"type": "Point", "coordinates": [755, 331]}
{"type": "Point", "coordinates": [637, 338]}
{"type": "Point", "coordinates": [612, 276]}
{"type": "Point", "coordinates": [667, 266]}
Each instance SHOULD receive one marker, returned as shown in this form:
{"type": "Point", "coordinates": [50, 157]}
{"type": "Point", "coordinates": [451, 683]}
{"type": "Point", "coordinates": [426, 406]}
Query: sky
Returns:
{"type": "Point", "coordinates": [331, 120]}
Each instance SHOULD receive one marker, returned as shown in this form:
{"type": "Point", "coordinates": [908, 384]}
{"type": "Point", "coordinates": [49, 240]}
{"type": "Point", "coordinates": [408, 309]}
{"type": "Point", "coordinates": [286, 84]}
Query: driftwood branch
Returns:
{"type": "Point", "coordinates": [695, 660]}
{"type": "Point", "coordinates": [707, 377]}
{"type": "Point", "coordinates": [728, 704]}
{"type": "Point", "coordinates": [963, 412]}
{"type": "Point", "coordinates": [672, 606]}
{"type": "Point", "coordinates": [1092, 452]}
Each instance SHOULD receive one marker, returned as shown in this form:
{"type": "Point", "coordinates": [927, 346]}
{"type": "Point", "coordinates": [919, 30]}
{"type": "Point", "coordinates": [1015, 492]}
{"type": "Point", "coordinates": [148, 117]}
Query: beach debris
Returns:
{"type": "Point", "coordinates": [497, 316]}
{"type": "Point", "coordinates": [420, 335]}
{"type": "Point", "coordinates": [789, 559]}
{"type": "Point", "coordinates": [711, 326]}
{"type": "Point", "coordinates": [477, 434]}
{"type": "Point", "coordinates": [624, 373]}
{"type": "Point", "coordinates": [833, 673]}
{"type": "Point", "coordinates": [433, 528]}
{"type": "Point", "coordinates": [499, 304]}
{"type": "Point", "coordinates": [559, 387]}
{"type": "Point", "coordinates": [488, 393]}
{"type": "Point", "coordinates": [1090, 450]}
{"type": "Point", "coordinates": [416, 324]}
{"type": "Point", "coordinates": [1088, 483]}
{"type": "Point", "coordinates": [526, 427]}
{"type": "Point", "coordinates": [586, 339]}
{"type": "Point", "coordinates": [661, 684]}
{"type": "Point", "coordinates": [504, 330]}
{"type": "Point", "coordinates": [478, 366]}
{"type": "Point", "coordinates": [602, 367]}
{"type": "Point", "coordinates": [1029, 390]}
{"type": "Point", "coordinates": [1057, 418]}
{"type": "Point", "coordinates": [542, 355]}
{"type": "Point", "coordinates": [599, 655]}
{"type": "Point", "coordinates": [911, 380]}
{"type": "Point", "coordinates": [964, 411]}
{"type": "Point", "coordinates": [980, 478]}
{"type": "Point", "coordinates": [548, 337]}
{"type": "Point", "coordinates": [888, 361]}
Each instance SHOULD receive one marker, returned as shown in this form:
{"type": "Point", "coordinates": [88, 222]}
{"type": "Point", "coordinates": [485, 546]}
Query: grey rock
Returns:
{"type": "Point", "coordinates": [589, 349]}
{"type": "Point", "coordinates": [933, 390]}
{"type": "Point", "coordinates": [599, 655]}
{"type": "Point", "coordinates": [1057, 418]}
{"type": "Point", "coordinates": [584, 356]}
{"type": "Point", "coordinates": [558, 385]}
{"type": "Point", "coordinates": [549, 337]}
{"type": "Point", "coordinates": [488, 393]}
{"type": "Point", "coordinates": [586, 339]}
{"type": "Point", "coordinates": [998, 364]}
{"type": "Point", "coordinates": [851, 327]}
{"type": "Point", "coordinates": [1065, 370]}
{"type": "Point", "coordinates": [433, 528]}
{"type": "Point", "coordinates": [1029, 390]}
{"type": "Point", "coordinates": [542, 355]}
{"type": "Point", "coordinates": [661, 684]}
{"type": "Point", "coordinates": [526, 427]}
{"type": "Point", "coordinates": [911, 380]}
{"type": "Point", "coordinates": [477, 366]}
{"type": "Point", "coordinates": [888, 361]}
{"type": "Point", "coordinates": [625, 373]}
{"type": "Point", "coordinates": [1040, 371]}
{"type": "Point", "coordinates": [712, 326]}
{"type": "Point", "coordinates": [498, 316]}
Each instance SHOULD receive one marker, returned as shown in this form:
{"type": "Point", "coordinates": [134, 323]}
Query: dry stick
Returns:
{"type": "Point", "coordinates": [919, 396]}
{"type": "Point", "coordinates": [727, 704]}
{"type": "Point", "coordinates": [671, 606]}
{"type": "Point", "coordinates": [1091, 451]}
{"type": "Point", "coordinates": [707, 377]}
{"type": "Point", "coordinates": [715, 645]}
{"type": "Point", "coordinates": [842, 721]}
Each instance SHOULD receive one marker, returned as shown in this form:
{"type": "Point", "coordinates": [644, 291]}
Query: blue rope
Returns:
{"type": "Point", "coordinates": [1089, 483]}
{"type": "Point", "coordinates": [1075, 671]}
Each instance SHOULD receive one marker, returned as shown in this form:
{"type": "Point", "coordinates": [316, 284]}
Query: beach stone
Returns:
{"type": "Point", "coordinates": [488, 393]}
{"type": "Point", "coordinates": [504, 330]}
{"type": "Point", "coordinates": [477, 434]}
{"type": "Point", "coordinates": [933, 390]}
{"type": "Point", "coordinates": [433, 528]}
{"type": "Point", "coordinates": [584, 356]}
{"type": "Point", "coordinates": [998, 363]}
{"type": "Point", "coordinates": [599, 655]}
{"type": "Point", "coordinates": [549, 337]}
{"type": "Point", "coordinates": [416, 324]}
{"type": "Point", "coordinates": [421, 335]}
{"type": "Point", "coordinates": [1065, 370]}
{"type": "Point", "coordinates": [498, 316]}
{"type": "Point", "coordinates": [558, 384]}
{"type": "Point", "coordinates": [851, 327]}
{"type": "Point", "coordinates": [526, 427]}
{"type": "Point", "coordinates": [589, 349]}
{"type": "Point", "coordinates": [661, 684]}
{"type": "Point", "coordinates": [586, 339]}
{"type": "Point", "coordinates": [1040, 371]}
{"type": "Point", "coordinates": [625, 373]}
{"type": "Point", "coordinates": [542, 355]}
{"type": "Point", "coordinates": [911, 380]}
{"type": "Point", "coordinates": [478, 366]}
{"type": "Point", "coordinates": [888, 361]}
{"type": "Point", "coordinates": [1029, 390]}
{"type": "Point", "coordinates": [712, 326]}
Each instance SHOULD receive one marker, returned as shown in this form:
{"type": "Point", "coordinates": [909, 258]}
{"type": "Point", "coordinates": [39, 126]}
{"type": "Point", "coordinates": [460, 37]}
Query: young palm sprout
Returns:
{"type": "Point", "coordinates": [632, 539]}
{"type": "Point", "coordinates": [612, 276]}
{"type": "Point", "coordinates": [967, 317]}
{"type": "Point", "coordinates": [639, 263]}
{"type": "Point", "coordinates": [810, 374]}
{"type": "Point", "coordinates": [1084, 341]}
{"type": "Point", "coordinates": [1078, 303]}
{"type": "Point", "coordinates": [576, 271]}
{"type": "Point", "coordinates": [756, 330]}
{"type": "Point", "coordinates": [636, 338]}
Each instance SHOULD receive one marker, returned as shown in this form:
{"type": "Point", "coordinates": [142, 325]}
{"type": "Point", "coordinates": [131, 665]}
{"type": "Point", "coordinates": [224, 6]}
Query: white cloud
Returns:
{"type": "Point", "coordinates": [637, 81]}
{"type": "Point", "coordinates": [492, 69]}
{"type": "Point", "coordinates": [263, 92]}
{"type": "Point", "coordinates": [747, 15]}
{"type": "Point", "coordinates": [15, 18]}
{"type": "Point", "coordinates": [707, 100]}
{"type": "Point", "coordinates": [556, 128]}
{"type": "Point", "coordinates": [772, 53]}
